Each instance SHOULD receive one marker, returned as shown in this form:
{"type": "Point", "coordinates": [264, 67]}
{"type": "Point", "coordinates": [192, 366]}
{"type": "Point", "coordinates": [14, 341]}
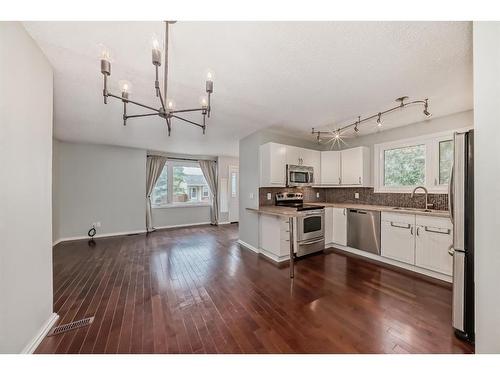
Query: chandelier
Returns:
{"type": "Point", "coordinates": [168, 111]}
{"type": "Point", "coordinates": [336, 136]}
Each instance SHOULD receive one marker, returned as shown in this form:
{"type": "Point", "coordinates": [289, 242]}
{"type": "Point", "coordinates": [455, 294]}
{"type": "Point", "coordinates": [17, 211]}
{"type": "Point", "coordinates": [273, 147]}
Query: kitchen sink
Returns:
{"type": "Point", "coordinates": [411, 209]}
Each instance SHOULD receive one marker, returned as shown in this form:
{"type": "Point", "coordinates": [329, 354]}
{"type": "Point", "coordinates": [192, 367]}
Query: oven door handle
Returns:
{"type": "Point", "coordinates": [311, 242]}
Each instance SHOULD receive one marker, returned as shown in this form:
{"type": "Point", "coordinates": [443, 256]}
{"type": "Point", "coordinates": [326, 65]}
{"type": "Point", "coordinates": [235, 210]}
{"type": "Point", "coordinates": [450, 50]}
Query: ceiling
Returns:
{"type": "Point", "coordinates": [289, 76]}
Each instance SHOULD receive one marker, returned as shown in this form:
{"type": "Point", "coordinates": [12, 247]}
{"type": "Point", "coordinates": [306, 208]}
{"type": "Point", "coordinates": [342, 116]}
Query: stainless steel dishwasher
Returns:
{"type": "Point", "coordinates": [363, 230]}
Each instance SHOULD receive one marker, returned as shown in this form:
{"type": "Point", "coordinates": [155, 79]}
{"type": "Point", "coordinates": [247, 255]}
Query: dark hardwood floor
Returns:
{"type": "Point", "coordinates": [194, 290]}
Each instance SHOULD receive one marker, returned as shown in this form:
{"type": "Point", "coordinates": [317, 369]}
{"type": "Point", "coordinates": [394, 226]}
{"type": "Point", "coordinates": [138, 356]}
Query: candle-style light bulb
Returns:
{"type": "Point", "coordinates": [204, 102]}
{"type": "Point", "coordinates": [209, 81]}
{"type": "Point", "coordinates": [125, 88]}
{"type": "Point", "coordinates": [170, 104]}
{"type": "Point", "coordinates": [156, 51]}
{"type": "Point", "coordinates": [105, 58]}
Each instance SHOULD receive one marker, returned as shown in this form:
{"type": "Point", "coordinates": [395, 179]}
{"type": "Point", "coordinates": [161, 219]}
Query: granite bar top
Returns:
{"type": "Point", "coordinates": [281, 211]}
{"type": "Point", "coordinates": [370, 207]}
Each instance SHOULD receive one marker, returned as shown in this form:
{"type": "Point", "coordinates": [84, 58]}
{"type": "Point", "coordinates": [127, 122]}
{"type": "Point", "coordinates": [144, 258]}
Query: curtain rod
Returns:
{"type": "Point", "coordinates": [183, 159]}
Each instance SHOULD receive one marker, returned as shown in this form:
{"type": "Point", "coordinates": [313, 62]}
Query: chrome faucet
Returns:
{"type": "Point", "coordinates": [427, 205]}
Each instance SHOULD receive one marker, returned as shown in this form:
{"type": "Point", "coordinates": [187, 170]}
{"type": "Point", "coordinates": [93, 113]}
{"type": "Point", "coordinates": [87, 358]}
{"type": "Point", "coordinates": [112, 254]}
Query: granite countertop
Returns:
{"type": "Point", "coordinates": [277, 211]}
{"type": "Point", "coordinates": [292, 212]}
{"type": "Point", "coordinates": [402, 210]}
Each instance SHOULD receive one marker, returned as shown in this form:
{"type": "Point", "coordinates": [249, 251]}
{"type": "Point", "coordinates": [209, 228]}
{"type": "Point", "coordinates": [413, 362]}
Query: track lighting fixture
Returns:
{"type": "Point", "coordinates": [402, 104]}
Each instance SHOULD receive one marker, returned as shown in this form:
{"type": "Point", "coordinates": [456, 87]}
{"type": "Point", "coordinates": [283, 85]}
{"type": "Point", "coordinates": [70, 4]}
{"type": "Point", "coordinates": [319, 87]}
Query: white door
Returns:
{"type": "Point", "coordinates": [339, 235]}
{"type": "Point", "coordinates": [293, 155]}
{"type": "Point", "coordinates": [431, 249]}
{"type": "Point", "coordinates": [330, 168]}
{"type": "Point", "coordinates": [352, 166]}
{"type": "Point", "coordinates": [234, 187]}
{"type": "Point", "coordinates": [398, 241]}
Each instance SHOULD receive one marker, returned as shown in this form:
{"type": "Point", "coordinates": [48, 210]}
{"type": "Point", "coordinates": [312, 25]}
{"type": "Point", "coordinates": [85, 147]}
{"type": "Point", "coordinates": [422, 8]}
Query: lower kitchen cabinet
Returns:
{"type": "Point", "coordinates": [397, 240]}
{"type": "Point", "coordinates": [336, 225]}
{"type": "Point", "coordinates": [433, 239]}
{"type": "Point", "coordinates": [419, 240]}
{"type": "Point", "coordinates": [274, 238]}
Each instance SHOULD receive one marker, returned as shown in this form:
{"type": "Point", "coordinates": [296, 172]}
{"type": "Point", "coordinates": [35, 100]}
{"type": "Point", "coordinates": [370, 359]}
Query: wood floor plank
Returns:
{"type": "Point", "coordinates": [195, 290]}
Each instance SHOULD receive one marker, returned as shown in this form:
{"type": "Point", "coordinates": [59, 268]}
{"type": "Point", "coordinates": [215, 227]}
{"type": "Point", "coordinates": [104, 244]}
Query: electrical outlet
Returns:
{"type": "Point", "coordinates": [317, 194]}
{"type": "Point", "coordinates": [269, 196]}
{"type": "Point", "coordinates": [98, 224]}
{"type": "Point", "coordinates": [251, 195]}
{"type": "Point", "coordinates": [356, 195]}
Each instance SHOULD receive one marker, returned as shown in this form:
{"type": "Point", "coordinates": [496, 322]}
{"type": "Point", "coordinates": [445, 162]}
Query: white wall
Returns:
{"type": "Point", "coordinates": [107, 184]}
{"type": "Point", "coordinates": [223, 164]}
{"type": "Point", "coordinates": [249, 179]}
{"type": "Point", "coordinates": [99, 183]}
{"type": "Point", "coordinates": [487, 184]}
{"type": "Point", "coordinates": [25, 195]}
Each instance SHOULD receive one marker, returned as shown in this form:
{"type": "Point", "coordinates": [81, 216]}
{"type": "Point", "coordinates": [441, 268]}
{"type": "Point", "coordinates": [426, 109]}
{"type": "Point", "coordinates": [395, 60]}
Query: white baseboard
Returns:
{"type": "Point", "coordinates": [35, 341]}
{"type": "Point", "coordinates": [102, 235]}
{"type": "Point", "coordinates": [396, 263]}
{"type": "Point", "coordinates": [264, 252]}
{"type": "Point", "coordinates": [182, 225]}
{"type": "Point", "coordinates": [225, 222]}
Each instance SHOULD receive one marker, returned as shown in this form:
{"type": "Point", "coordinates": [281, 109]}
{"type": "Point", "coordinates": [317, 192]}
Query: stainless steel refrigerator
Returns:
{"type": "Point", "coordinates": [461, 205]}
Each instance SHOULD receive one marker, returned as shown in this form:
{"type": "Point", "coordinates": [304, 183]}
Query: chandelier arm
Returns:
{"type": "Point", "coordinates": [133, 102]}
{"type": "Point", "coordinates": [142, 115]}
{"type": "Point", "coordinates": [189, 121]}
{"type": "Point", "coordinates": [161, 99]}
{"type": "Point", "coordinates": [188, 110]}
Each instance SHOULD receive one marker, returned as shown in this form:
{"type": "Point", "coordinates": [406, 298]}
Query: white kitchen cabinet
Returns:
{"type": "Point", "coordinates": [312, 158]}
{"type": "Point", "coordinates": [330, 168]}
{"type": "Point", "coordinates": [397, 237]}
{"type": "Point", "coordinates": [293, 155]}
{"type": "Point", "coordinates": [272, 165]}
{"type": "Point", "coordinates": [356, 166]}
{"type": "Point", "coordinates": [434, 235]}
{"type": "Point", "coordinates": [274, 237]}
{"type": "Point", "coordinates": [339, 231]}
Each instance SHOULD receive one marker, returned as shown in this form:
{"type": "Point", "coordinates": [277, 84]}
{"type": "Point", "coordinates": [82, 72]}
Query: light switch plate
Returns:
{"type": "Point", "coordinates": [251, 195]}
{"type": "Point", "coordinates": [356, 195]}
{"type": "Point", "coordinates": [269, 195]}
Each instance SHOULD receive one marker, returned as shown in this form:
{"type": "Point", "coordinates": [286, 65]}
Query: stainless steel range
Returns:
{"type": "Point", "coordinates": [310, 231]}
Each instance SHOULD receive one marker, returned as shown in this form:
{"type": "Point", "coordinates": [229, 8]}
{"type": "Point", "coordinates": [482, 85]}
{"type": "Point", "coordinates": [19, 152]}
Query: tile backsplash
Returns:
{"type": "Point", "coordinates": [366, 196]}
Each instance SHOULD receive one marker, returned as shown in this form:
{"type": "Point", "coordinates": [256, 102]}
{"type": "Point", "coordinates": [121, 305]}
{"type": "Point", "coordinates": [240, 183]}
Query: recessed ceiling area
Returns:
{"type": "Point", "coordinates": [290, 76]}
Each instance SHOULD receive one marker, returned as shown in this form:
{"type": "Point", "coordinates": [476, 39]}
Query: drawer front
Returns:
{"type": "Point", "coordinates": [398, 241]}
{"type": "Point", "coordinates": [398, 218]}
{"type": "Point", "coordinates": [435, 222]}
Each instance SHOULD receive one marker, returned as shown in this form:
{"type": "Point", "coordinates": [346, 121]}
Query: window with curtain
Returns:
{"type": "Point", "coordinates": [180, 183]}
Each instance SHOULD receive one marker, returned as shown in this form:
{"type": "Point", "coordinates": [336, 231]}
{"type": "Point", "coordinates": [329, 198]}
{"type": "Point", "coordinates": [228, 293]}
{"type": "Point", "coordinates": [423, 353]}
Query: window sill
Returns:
{"type": "Point", "coordinates": [409, 191]}
{"type": "Point", "coordinates": [182, 205]}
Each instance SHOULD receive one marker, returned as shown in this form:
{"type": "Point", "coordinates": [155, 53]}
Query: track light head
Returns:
{"type": "Point", "coordinates": [426, 109]}
{"type": "Point", "coordinates": [379, 121]}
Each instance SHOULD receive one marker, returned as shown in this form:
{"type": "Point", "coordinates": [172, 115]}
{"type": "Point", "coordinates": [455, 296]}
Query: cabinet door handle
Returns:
{"type": "Point", "coordinates": [442, 231]}
{"type": "Point", "coordinates": [360, 180]}
{"type": "Point", "coordinates": [344, 211]}
{"type": "Point", "coordinates": [340, 181]}
{"type": "Point", "coordinates": [407, 226]}
{"type": "Point", "coordinates": [411, 231]}
{"type": "Point", "coordinates": [418, 233]}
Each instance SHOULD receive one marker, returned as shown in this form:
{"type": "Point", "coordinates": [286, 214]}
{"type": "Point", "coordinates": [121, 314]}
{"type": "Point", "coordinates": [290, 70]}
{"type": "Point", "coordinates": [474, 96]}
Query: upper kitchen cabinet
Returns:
{"type": "Point", "coordinates": [355, 166]}
{"type": "Point", "coordinates": [303, 156]}
{"type": "Point", "coordinates": [272, 165]}
{"type": "Point", "coordinates": [330, 168]}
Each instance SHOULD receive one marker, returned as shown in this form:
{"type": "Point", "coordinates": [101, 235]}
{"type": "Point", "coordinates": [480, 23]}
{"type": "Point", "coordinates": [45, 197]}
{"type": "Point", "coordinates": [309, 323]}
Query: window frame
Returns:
{"type": "Point", "coordinates": [170, 164]}
{"type": "Point", "coordinates": [431, 178]}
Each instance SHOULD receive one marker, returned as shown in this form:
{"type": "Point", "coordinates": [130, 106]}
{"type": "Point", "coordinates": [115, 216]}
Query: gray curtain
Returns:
{"type": "Point", "coordinates": [209, 169]}
{"type": "Point", "coordinates": [154, 166]}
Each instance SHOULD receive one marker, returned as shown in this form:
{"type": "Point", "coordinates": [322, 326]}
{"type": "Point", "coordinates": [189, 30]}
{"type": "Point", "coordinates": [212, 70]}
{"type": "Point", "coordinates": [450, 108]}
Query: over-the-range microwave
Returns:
{"type": "Point", "coordinates": [299, 175]}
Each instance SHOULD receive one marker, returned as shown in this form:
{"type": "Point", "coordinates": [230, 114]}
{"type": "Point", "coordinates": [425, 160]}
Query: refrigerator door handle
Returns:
{"type": "Point", "coordinates": [450, 194]}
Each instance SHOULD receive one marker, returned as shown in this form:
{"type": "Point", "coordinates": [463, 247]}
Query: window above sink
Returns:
{"type": "Point", "coordinates": [402, 165]}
